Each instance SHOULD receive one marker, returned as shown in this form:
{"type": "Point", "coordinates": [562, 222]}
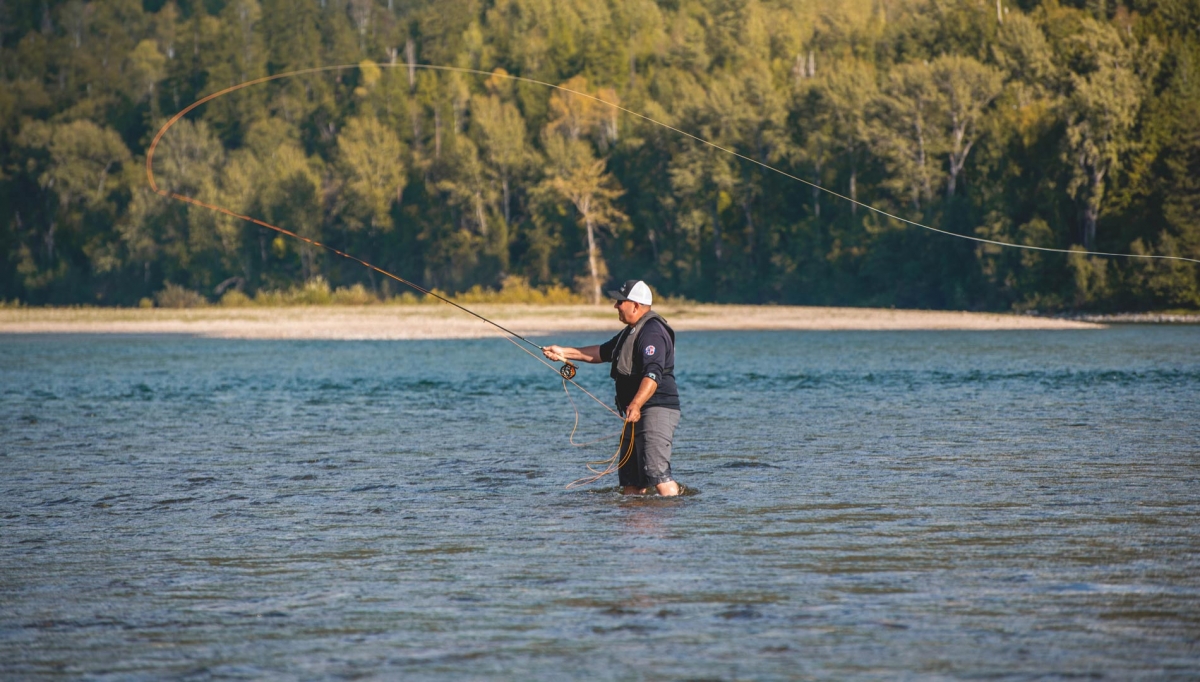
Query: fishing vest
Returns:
{"type": "Point", "coordinates": [622, 365]}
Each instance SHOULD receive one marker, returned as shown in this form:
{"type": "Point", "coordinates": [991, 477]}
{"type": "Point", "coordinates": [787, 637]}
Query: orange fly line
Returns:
{"type": "Point", "coordinates": [617, 459]}
{"type": "Point", "coordinates": [610, 465]}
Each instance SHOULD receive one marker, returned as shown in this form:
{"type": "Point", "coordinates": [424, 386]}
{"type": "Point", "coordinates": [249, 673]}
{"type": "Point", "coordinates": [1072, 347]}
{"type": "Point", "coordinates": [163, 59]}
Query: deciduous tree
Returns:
{"type": "Point", "coordinates": [372, 173]}
{"type": "Point", "coordinates": [578, 177]}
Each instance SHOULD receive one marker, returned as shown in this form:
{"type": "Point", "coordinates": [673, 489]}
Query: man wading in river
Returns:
{"type": "Point", "coordinates": [643, 365]}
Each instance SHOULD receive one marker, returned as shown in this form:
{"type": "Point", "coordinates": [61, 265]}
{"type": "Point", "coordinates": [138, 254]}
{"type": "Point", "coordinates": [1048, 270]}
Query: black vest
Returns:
{"type": "Point", "coordinates": [622, 365]}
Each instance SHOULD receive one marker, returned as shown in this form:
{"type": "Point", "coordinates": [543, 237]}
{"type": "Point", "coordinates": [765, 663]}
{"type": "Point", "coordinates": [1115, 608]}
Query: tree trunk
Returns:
{"type": "Point", "coordinates": [751, 233]}
{"type": "Point", "coordinates": [854, 190]}
{"type": "Point", "coordinates": [49, 241]}
{"type": "Point", "coordinates": [716, 218]}
{"type": "Point", "coordinates": [103, 177]}
{"type": "Point", "coordinates": [416, 125]}
{"type": "Point", "coordinates": [816, 190]}
{"type": "Point", "coordinates": [926, 190]}
{"type": "Point", "coordinates": [437, 132]}
{"type": "Point", "coordinates": [310, 262]}
{"type": "Point", "coordinates": [483, 228]}
{"type": "Point", "coordinates": [591, 231]}
{"type": "Point", "coordinates": [410, 56]}
{"type": "Point", "coordinates": [958, 158]}
{"type": "Point", "coordinates": [632, 62]}
{"type": "Point", "coordinates": [1090, 214]}
{"type": "Point", "coordinates": [1091, 211]}
{"type": "Point", "coordinates": [507, 210]}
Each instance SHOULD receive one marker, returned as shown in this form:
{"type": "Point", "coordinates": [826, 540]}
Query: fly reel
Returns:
{"type": "Point", "coordinates": [567, 371]}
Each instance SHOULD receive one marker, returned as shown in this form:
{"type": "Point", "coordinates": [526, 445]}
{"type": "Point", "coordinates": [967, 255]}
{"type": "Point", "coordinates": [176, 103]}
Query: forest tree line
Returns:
{"type": "Point", "coordinates": [1070, 125]}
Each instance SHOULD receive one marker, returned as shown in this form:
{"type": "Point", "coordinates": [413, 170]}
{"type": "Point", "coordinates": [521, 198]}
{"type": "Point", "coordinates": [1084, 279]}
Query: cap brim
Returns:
{"type": "Point", "coordinates": [617, 296]}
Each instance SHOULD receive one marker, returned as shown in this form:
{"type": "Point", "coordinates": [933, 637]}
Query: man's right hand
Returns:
{"type": "Point", "coordinates": [554, 353]}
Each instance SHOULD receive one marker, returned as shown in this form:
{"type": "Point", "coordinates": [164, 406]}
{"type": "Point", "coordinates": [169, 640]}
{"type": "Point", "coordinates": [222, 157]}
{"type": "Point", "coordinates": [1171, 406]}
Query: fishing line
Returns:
{"type": "Point", "coordinates": [696, 138]}
{"type": "Point", "coordinates": [567, 371]}
{"type": "Point", "coordinates": [612, 464]}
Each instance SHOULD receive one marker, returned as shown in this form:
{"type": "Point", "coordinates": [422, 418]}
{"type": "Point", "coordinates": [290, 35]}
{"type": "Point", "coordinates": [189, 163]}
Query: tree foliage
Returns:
{"type": "Point", "coordinates": [1050, 123]}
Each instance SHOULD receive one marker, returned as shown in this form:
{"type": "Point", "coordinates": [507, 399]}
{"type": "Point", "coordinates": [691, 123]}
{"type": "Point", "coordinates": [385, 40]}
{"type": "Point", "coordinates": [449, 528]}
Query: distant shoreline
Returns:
{"type": "Point", "coordinates": [1132, 318]}
{"type": "Point", "coordinates": [429, 321]}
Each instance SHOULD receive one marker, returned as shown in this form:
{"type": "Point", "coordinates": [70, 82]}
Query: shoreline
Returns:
{"type": "Point", "coordinates": [1132, 318]}
{"type": "Point", "coordinates": [429, 321]}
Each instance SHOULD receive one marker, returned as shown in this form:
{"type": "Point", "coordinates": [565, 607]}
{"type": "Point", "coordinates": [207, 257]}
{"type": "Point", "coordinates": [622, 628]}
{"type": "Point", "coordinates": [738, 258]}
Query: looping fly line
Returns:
{"type": "Point", "coordinates": [532, 81]}
{"type": "Point", "coordinates": [567, 371]}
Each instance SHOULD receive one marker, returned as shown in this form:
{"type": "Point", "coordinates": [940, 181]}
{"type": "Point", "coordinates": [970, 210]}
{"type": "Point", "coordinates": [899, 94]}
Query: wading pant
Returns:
{"type": "Point", "coordinates": [650, 463]}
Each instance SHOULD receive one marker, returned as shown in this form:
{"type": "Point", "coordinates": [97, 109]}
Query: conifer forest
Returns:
{"type": "Point", "coordinates": [1068, 124]}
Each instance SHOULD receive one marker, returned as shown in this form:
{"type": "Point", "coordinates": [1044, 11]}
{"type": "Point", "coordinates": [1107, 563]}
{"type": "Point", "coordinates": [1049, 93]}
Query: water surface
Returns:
{"type": "Point", "coordinates": [864, 505]}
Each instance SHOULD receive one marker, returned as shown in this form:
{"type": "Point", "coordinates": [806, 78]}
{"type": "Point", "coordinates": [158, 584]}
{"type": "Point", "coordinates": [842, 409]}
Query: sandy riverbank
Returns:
{"type": "Point", "coordinates": [429, 321]}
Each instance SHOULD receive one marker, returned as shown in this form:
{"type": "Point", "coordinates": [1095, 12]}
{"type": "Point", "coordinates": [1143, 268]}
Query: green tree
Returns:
{"type": "Point", "coordinates": [906, 131]}
{"type": "Point", "coordinates": [578, 177]}
{"type": "Point", "coordinates": [467, 186]}
{"type": "Point", "coordinates": [845, 93]}
{"type": "Point", "coordinates": [895, 101]}
{"type": "Point", "coordinates": [1100, 110]}
{"type": "Point", "coordinates": [273, 179]}
{"type": "Point", "coordinates": [146, 68]}
{"type": "Point", "coordinates": [185, 242]}
{"type": "Point", "coordinates": [372, 171]}
{"type": "Point", "coordinates": [234, 53]}
{"type": "Point", "coordinates": [80, 168]}
{"type": "Point", "coordinates": [501, 131]}
{"type": "Point", "coordinates": [968, 88]}
{"type": "Point", "coordinates": [574, 115]}
{"type": "Point", "coordinates": [1023, 51]}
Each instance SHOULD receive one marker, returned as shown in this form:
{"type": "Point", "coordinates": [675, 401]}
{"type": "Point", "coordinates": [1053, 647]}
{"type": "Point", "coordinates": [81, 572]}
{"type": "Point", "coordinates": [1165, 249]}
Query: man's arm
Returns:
{"type": "Point", "coordinates": [560, 353]}
{"type": "Point", "coordinates": [646, 389]}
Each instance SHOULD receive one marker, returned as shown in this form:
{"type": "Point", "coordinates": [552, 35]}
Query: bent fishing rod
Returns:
{"type": "Point", "coordinates": [567, 370]}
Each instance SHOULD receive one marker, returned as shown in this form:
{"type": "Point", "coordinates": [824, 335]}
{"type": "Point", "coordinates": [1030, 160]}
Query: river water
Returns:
{"type": "Point", "coordinates": [915, 505]}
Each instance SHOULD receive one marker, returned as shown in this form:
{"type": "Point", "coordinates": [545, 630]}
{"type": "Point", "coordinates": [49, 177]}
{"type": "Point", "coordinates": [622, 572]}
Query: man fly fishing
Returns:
{"type": "Point", "coordinates": [643, 366]}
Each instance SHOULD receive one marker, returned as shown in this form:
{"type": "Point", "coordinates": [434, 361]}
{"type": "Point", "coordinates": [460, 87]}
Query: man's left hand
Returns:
{"type": "Point", "coordinates": [633, 413]}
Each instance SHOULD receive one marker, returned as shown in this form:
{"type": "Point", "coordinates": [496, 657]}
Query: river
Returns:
{"type": "Point", "coordinates": [860, 505]}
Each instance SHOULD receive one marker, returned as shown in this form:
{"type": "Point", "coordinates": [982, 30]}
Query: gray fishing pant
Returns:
{"type": "Point", "coordinates": [650, 463]}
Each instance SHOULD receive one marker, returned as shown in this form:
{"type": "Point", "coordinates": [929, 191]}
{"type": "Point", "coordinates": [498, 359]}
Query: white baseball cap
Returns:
{"type": "Point", "coordinates": [633, 290]}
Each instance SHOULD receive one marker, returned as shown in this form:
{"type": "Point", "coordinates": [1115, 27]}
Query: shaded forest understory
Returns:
{"type": "Point", "coordinates": [1062, 125]}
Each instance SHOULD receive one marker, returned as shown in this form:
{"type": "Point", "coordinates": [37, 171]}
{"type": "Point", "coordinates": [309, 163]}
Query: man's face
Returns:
{"type": "Point", "coordinates": [626, 310]}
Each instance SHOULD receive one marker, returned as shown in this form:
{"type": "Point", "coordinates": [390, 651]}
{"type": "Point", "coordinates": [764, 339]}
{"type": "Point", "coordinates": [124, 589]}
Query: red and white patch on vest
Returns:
{"type": "Point", "coordinates": [649, 350]}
